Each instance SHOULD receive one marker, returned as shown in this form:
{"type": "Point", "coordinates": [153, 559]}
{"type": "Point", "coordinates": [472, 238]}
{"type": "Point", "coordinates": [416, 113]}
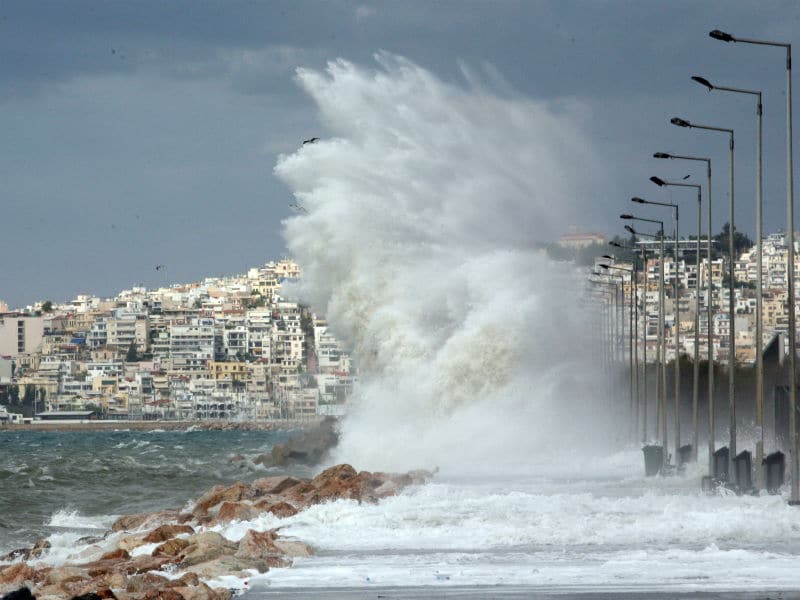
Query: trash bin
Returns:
{"type": "Point", "coordinates": [684, 455]}
{"type": "Point", "coordinates": [743, 469]}
{"type": "Point", "coordinates": [653, 460]}
{"type": "Point", "coordinates": [775, 468]}
{"type": "Point", "coordinates": [721, 458]}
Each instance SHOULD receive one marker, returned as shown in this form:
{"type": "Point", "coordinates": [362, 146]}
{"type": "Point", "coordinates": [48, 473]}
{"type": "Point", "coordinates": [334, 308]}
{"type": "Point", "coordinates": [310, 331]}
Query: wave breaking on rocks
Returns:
{"type": "Point", "coordinates": [177, 554]}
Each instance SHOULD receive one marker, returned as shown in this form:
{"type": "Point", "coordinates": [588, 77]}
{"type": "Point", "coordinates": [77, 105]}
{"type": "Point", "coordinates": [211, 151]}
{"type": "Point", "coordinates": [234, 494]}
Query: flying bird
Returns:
{"type": "Point", "coordinates": [298, 208]}
{"type": "Point", "coordinates": [159, 267]}
{"type": "Point", "coordinates": [310, 140]}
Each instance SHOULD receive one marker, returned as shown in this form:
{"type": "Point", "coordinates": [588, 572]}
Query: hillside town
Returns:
{"type": "Point", "coordinates": [223, 348]}
{"type": "Point", "coordinates": [775, 298]}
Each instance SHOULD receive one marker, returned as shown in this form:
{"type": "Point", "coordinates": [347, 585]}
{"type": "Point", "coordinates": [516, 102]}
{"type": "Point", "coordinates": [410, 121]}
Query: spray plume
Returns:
{"type": "Point", "coordinates": [423, 206]}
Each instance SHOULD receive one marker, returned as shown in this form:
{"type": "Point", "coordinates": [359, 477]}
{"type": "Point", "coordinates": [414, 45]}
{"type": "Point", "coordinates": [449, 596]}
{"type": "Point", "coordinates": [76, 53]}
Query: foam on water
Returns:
{"type": "Point", "coordinates": [423, 208]}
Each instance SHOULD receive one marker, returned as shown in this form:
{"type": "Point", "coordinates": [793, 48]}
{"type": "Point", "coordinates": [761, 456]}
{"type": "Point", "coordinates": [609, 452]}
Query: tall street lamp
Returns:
{"type": "Point", "coordinates": [794, 499]}
{"type": "Point", "coordinates": [631, 302]}
{"type": "Point", "coordinates": [696, 365]}
{"type": "Point", "coordinates": [676, 314]}
{"type": "Point", "coordinates": [709, 312]}
{"type": "Point", "coordinates": [662, 347]}
{"type": "Point", "coordinates": [759, 276]}
{"type": "Point", "coordinates": [731, 297]}
{"type": "Point", "coordinates": [643, 397]}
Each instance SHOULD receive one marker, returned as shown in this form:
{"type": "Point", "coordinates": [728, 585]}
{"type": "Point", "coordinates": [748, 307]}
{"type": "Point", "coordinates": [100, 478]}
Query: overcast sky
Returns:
{"type": "Point", "coordinates": [139, 134]}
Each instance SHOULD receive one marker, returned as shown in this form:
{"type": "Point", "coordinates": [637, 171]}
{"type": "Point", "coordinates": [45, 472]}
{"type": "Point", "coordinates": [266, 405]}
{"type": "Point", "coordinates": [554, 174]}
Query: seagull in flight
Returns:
{"type": "Point", "coordinates": [297, 208]}
{"type": "Point", "coordinates": [310, 140]}
{"type": "Point", "coordinates": [159, 267]}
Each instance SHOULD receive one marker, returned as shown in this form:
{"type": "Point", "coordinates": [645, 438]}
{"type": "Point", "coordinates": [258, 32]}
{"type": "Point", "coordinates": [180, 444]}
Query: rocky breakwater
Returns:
{"type": "Point", "coordinates": [172, 554]}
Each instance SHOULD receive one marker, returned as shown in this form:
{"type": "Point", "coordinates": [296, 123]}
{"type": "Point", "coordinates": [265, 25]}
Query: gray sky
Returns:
{"type": "Point", "coordinates": [145, 133]}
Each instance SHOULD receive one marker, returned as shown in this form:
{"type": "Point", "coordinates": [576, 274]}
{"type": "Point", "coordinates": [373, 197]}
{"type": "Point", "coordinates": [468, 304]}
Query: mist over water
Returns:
{"type": "Point", "coordinates": [424, 201]}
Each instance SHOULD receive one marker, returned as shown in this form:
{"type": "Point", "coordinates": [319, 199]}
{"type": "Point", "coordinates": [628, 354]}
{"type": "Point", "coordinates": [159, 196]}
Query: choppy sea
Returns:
{"type": "Point", "coordinates": [604, 529]}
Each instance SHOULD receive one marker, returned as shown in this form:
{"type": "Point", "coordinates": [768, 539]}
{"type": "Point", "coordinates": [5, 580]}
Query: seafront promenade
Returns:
{"type": "Point", "coordinates": [107, 425]}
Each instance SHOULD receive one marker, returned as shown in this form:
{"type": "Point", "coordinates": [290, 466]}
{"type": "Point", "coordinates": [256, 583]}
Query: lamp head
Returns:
{"type": "Point", "coordinates": [662, 155]}
{"type": "Point", "coordinates": [626, 216]}
{"type": "Point", "coordinates": [703, 81]}
{"type": "Point", "coordinates": [615, 244]}
{"type": "Point", "coordinates": [630, 229]}
{"type": "Point", "coordinates": [602, 266]}
{"type": "Point", "coordinates": [608, 256]}
{"type": "Point", "coordinates": [659, 182]}
{"type": "Point", "coordinates": [639, 200]}
{"type": "Point", "coordinates": [680, 122]}
{"type": "Point", "coordinates": [721, 36]}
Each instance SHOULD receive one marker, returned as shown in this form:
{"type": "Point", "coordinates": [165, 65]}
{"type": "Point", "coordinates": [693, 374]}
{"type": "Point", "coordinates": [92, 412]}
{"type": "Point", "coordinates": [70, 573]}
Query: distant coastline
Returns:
{"type": "Point", "coordinates": [105, 425]}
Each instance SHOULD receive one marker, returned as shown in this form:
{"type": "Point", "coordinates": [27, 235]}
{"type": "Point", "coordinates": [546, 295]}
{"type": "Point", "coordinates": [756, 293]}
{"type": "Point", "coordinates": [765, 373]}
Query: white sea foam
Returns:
{"type": "Point", "coordinates": [72, 519]}
{"type": "Point", "coordinates": [423, 207]}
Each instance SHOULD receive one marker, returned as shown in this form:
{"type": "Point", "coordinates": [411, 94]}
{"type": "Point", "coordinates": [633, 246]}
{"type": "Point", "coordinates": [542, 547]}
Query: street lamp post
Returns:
{"type": "Point", "coordinates": [663, 378]}
{"type": "Point", "coordinates": [794, 499]}
{"type": "Point", "coordinates": [696, 365]}
{"type": "Point", "coordinates": [631, 303]}
{"type": "Point", "coordinates": [709, 312]}
{"type": "Point", "coordinates": [759, 276]}
{"type": "Point", "coordinates": [677, 428]}
{"type": "Point", "coordinates": [643, 397]}
{"type": "Point", "coordinates": [731, 299]}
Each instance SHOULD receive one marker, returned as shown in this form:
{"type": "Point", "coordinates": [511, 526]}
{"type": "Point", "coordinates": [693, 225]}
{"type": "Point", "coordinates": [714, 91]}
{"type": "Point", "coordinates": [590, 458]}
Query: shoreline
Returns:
{"type": "Point", "coordinates": [67, 426]}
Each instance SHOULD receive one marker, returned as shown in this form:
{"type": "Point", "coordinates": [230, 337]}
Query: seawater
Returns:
{"type": "Point", "coordinates": [546, 526]}
{"type": "Point", "coordinates": [53, 482]}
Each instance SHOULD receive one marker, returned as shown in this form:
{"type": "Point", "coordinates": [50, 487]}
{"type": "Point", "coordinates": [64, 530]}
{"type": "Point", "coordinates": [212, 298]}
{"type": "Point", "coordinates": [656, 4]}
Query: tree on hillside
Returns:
{"type": "Point", "coordinates": [740, 240]}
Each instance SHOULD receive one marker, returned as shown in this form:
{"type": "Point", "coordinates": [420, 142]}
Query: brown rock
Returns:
{"type": "Point", "coordinates": [117, 554]}
{"type": "Point", "coordinates": [272, 485]}
{"type": "Point", "coordinates": [130, 542]}
{"type": "Point", "coordinates": [16, 574]}
{"type": "Point", "coordinates": [166, 532]}
{"type": "Point", "coordinates": [218, 494]}
{"type": "Point", "coordinates": [227, 565]}
{"type": "Point", "coordinates": [116, 581]}
{"type": "Point", "coordinates": [197, 592]}
{"type": "Point", "coordinates": [300, 492]}
{"type": "Point", "coordinates": [206, 546]}
{"type": "Point", "coordinates": [279, 509]}
{"type": "Point", "coordinates": [59, 575]}
{"type": "Point", "coordinates": [236, 511]}
{"type": "Point", "coordinates": [145, 581]}
{"type": "Point", "coordinates": [129, 522]}
{"type": "Point", "coordinates": [223, 593]}
{"type": "Point", "coordinates": [162, 594]}
{"type": "Point", "coordinates": [257, 544]}
{"type": "Point", "coordinates": [142, 564]}
{"type": "Point", "coordinates": [171, 547]}
{"type": "Point", "coordinates": [293, 548]}
{"type": "Point", "coordinates": [189, 579]}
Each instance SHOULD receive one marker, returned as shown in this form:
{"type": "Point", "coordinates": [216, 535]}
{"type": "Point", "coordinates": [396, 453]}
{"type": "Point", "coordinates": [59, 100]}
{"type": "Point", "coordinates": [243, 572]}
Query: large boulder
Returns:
{"type": "Point", "coordinates": [280, 509]}
{"type": "Point", "coordinates": [218, 494]}
{"type": "Point", "coordinates": [171, 547]}
{"type": "Point", "coordinates": [15, 575]}
{"type": "Point", "coordinates": [236, 511]}
{"type": "Point", "coordinates": [206, 546]}
{"type": "Point", "coordinates": [166, 532]}
{"type": "Point", "coordinates": [272, 485]}
{"type": "Point", "coordinates": [308, 448]}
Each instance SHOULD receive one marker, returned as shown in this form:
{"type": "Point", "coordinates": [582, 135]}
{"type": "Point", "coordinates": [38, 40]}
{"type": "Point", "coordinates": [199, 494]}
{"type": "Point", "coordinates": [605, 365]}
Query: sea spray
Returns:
{"type": "Point", "coordinates": [423, 206]}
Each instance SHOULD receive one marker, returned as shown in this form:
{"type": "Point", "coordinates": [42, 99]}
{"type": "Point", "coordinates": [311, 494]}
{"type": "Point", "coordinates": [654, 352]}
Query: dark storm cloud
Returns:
{"type": "Point", "coordinates": [176, 112]}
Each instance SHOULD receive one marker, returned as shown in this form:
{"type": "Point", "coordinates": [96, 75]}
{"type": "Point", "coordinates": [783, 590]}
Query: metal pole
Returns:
{"type": "Point", "coordinates": [644, 349]}
{"type": "Point", "coordinates": [635, 339]}
{"type": "Point", "coordinates": [662, 301]}
{"type": "Point", "coordinates": [634, 423]}
{"type": "Point", "coordinates": [731, 328]}
{"type": "Point", "coordinates": [710, 333]}
{"type": "Point", "coordinates": [759, 312]}
{"type": "Point", "coordinates": [696, 364]}
{"type": "Point", "coordinates": [795, 466]}
{"type": "Point", "coordinates": [677, 315]}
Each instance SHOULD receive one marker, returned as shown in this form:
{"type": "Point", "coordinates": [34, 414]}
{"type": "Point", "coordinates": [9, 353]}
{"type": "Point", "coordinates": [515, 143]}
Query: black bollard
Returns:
{"type": "Point", "coordinates": [743, 465]}
{"type": "Point", "coordinates": [653, 460]}
{"type": "Point", "coordinates": [775, 467]}
{"type": "Point", "coordinates": [721, 458]}
{"type": "Point", "coordinates": [684, 456]}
